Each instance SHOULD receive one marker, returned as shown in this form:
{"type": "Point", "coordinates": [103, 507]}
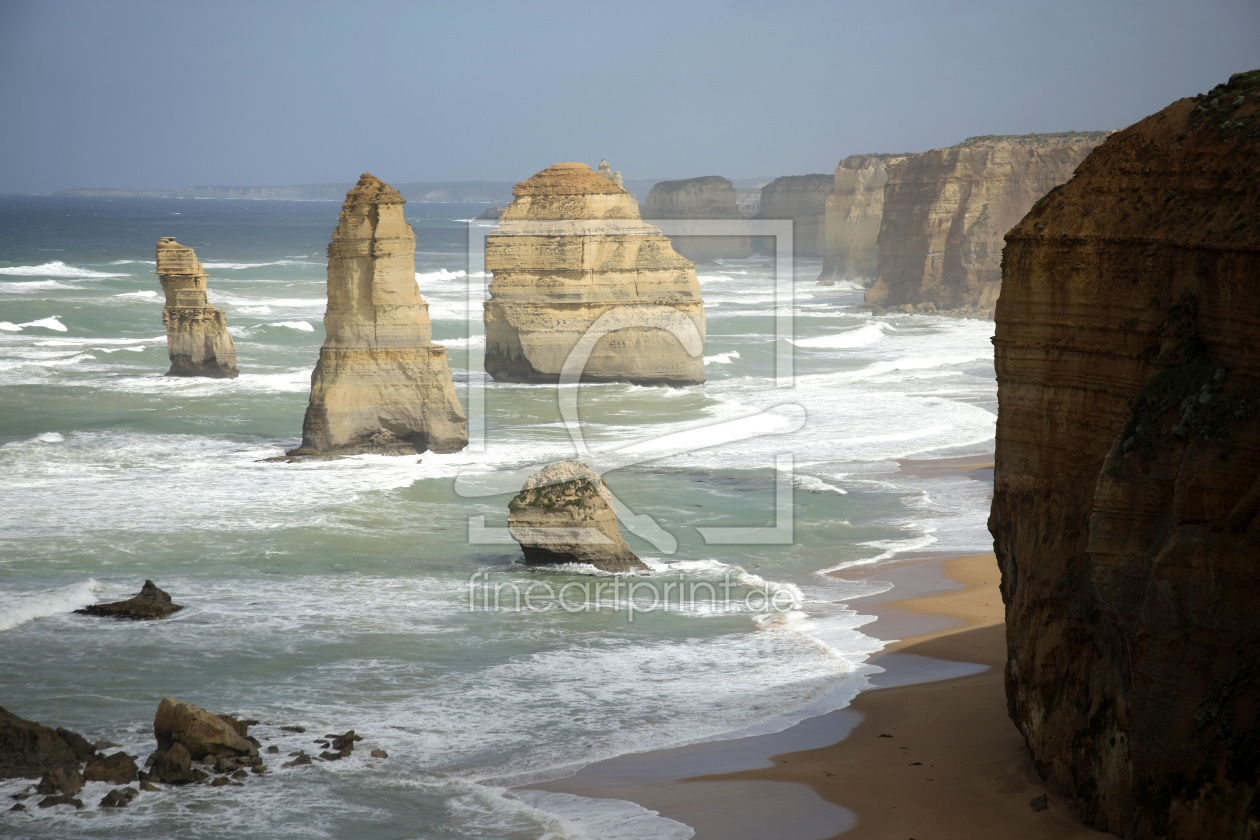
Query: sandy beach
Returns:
{"type": "Point", "coordinates": [928, 753]}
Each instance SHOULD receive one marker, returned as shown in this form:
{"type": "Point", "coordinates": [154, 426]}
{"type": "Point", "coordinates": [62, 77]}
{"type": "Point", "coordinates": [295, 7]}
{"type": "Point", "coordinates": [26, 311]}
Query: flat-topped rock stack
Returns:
{"type": "Point", "coordinates": [708, 198]}
{"type": "Point", "coordinates": [381, 385]}
{"type": "Point", "coordinates": [854, 212]}
{"type": "Point", "coordinates": [572, 248]}
{"type": "Point", "coordinates": [196, 332]}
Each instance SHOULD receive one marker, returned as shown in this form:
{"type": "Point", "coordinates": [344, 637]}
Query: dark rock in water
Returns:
{"type": "Point", "coordinates": [172, 766]}
{"type": "Point", "coordinates": [151, 602]}
{"type": "Point", "coordinates": [378, 753]}
{"type": "Point", "coordinates": [331, 756]}
{"type": "Point", "coordinates": [225, 765]}
{"type": "Point", "coordinates": [83, 751]}
{"type": "Point", "coordinates": [119, 797]}
{"type": "Point", "coordinates": [221, 781]}
{"type": "Point", "coordinates": [119, 769]}
{"type": "Point", "coordinates": [18, 807]}
{"type": "Point", "coordinates": [200, 732]}
{"type": "Point", "coordinates": [258, 770]}
{"type": "Point", "coordinates": [67, 780]}
{"type": "Point", "coordinates": [273, 749]}
{"type": "Point", "coordinates": [297, 729]}
{"type": "Point", "coordinates": [50, 801]}
{"type": "Point", "coordinates": [301, 760]}
{"type": "Point", "coordinates": [29, 750]}
{"type": "Point", "coordinates": [240, 774]}
{"type": "Point", "coordinates": [342, 742]}
{"type": "Point", "coordinates": [1039, 803]}
{"type": "Point", "coordinates": [147, 786]}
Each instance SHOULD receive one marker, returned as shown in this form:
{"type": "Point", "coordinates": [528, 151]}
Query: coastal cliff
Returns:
{"type": "Point", "coordinates": [572, 254]}
{"type": "Point", "coordinates": [852, 217]}
{"type": "Point", "coordinates": [946, 211]}
{"type": "Point", "coordinates": [1126, 512]}
{"type": "Point", "coordinates": [803, 199]}
{"type": "Point", "coordinates": [196, 332]}
{"type": "Point", "coordinates": [381, 385]}
{"type": "Point", "coordinates": [710, 197]}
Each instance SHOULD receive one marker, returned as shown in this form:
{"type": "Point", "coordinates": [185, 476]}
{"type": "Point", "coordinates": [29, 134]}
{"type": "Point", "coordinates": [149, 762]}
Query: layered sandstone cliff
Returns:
{"type": "Point", "coordinates": [946, 211]}
{"type": "Point", "coordinates": [381, 385]}
{"type": "Point", "coordinates": [564, 514]}
{"type": "Point", "coordinates": [576, 269]}
{"type": "Point", "coordinates": [1126, 513]}
{"type": "Point", "coordinates": [803, 199]}
{"type": "Point", "coordinates": [196, 332]}
{"type": "Point", "coordinates": [709, 198]}
{"type": "Point", "coordinates": [851, 219]}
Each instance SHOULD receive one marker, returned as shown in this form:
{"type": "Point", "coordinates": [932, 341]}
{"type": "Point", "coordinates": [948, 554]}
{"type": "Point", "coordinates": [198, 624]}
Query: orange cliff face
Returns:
{"type": "Point", "coordinates": [1126, 512]}
{"type": "Point", "coordinates": [945, 212]}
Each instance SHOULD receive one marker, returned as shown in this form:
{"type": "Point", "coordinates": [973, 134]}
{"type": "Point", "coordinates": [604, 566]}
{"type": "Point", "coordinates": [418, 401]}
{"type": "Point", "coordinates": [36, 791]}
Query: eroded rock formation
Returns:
{"type": "Point", "coordinates": [198, 731]}
{"type": "Point", "coordinates": [572, 254]}
{"type": "Point", "coordinates": [28, 750]}
{"type": "Point", "coordinates": [381, 385]}
{"type": "Point", "coordinates": [1126, 513]}
{"type": "Point", "coordinates": [946, 211]}
{"type": "Point", "coordinates": [564, 514]}
{"type": "Point", "coordinates": [852, 218]}
{"type": "Point", "coordinates": [196, 333]}
{"type": "Point", "coordinates": [803, 199]}
{"type": "Point", "coordinates": [150, 602]}
{"type": "Point", "coordinates": [711, 197]}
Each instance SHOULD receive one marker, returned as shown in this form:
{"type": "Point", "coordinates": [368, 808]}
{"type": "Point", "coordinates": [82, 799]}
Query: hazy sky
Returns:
{"type": "Point", "coordinates": [168, 94]}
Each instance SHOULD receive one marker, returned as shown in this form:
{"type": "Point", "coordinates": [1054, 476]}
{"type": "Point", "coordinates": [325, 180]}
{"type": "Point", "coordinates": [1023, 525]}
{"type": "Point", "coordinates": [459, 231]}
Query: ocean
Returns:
{"type": "Point", "coordinates": [359, 593]}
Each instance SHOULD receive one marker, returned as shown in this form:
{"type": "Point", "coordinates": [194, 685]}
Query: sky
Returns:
{"type": "Point", "coordinates": [133, 94]}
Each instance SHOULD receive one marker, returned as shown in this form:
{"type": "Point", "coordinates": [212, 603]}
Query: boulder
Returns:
{"type": "Point", "coordinates": [83, 750]}
{"type": "Point", "coordinates": [119, 797]}
{"type": "Point", "coordinates": [29, 750]}
{"type": "Point", "coordinates": [564, 514]}
{"type": "Point", "coordinates": [172, 766]}
{"type": "Point", "coordinates": [67, 780]}
{"type": "Point", "coordinates": [149, 603]}
{"type": "Point", "coordinates": [200, 732]}
{"type": "Point", "coordinates": [118, 769]}
{"type": "Point", "coordinates": [50, 801]}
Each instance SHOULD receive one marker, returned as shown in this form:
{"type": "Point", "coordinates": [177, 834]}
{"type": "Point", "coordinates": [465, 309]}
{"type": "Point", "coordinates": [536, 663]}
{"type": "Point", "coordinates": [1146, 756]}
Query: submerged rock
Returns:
{"type": "Point", "coordinates": [196, 332]}
{"type": "Point", "coordinates": [149, 603]}
{"type": "Point", "coordinates": [1126, 506]}
{"type": "Point", "coordinates": [198, 731]}
{"type": "Point", "coordinates": [29, 750]}
{"type": "Point", "coordinates": [564, 514]}
{"type": "Point", "coordinates": [571, 253]}
{"type": "Point", "coordinates": [381, 385]}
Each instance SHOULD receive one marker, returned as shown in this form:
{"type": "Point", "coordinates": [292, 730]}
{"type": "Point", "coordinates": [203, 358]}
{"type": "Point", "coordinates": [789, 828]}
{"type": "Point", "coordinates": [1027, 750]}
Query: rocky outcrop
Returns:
{"type": "Point", "coordinates": [852, 218]}
{"type": "Point", "coordinates": [606, 171]}
{"type": "Point", "coordinates": [196, 333]}
{"type": "Point", "coordinates": [572, 258]}
{"type": "Point", "coordinates": [381, 385]}
{"type": "Point", "coordinates": [149, 603]}
{"type": "Point", "coordinates": [1126, 512]}
{"type": "Point", "coordinates": [711, 197]}
{"type": "Point", "coordinates": [29, 750]}
{"type": "Point", "coordinates": [803, 199]}
{"type": "Point", "coordinates": [946, 211]}
{"type": "Point", "coordinates": [198, 731]}
{"type": "Point", "coordinates": [564, 514]}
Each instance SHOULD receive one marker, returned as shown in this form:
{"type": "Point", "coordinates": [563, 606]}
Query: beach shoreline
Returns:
{"type": "Point", "coordinates": [928, 751]}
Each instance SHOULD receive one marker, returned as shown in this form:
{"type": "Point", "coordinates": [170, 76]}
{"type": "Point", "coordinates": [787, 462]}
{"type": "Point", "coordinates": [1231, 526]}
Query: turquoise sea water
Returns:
{"type": "Point", "coordinates": [337, 595]}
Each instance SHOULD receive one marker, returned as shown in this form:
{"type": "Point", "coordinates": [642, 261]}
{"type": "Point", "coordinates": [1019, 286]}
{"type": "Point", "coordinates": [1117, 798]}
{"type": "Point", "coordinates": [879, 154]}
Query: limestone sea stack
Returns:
{"type": "Point", "coordinates": [946, 211]}
{"type": "Point", "coordinates": [381, 385]}
{"type": "Point", "coordinates": [711, 197]}
{"type": "Point", "coordinates": [564, 514]}
{"type": "Point", "coordinates": [196, 332]}
{"type": "Point", "coordinates": [803, 199]}
{"type": "Point", "coordinates": [1126, 511]}
{"type": "Point", "coordinates": [572, 248]}
{"type": "Point", "coordinates": [854, 211]}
